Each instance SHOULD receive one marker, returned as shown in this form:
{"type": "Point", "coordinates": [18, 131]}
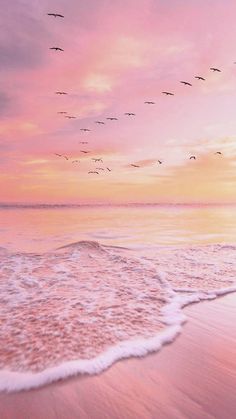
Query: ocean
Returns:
{"type": "Point", "coordinates": [85, 286]}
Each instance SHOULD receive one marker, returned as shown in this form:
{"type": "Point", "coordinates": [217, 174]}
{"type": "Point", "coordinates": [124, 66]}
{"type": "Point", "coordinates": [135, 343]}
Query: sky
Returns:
{"type": "Point", "coordinates": [117, 55]}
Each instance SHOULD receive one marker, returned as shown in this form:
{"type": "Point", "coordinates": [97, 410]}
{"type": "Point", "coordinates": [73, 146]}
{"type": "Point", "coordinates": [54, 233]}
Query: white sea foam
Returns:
{"type": "Point", "coordinates": [120, 304]}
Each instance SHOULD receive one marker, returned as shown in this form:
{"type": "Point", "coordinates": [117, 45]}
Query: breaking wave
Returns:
{"type": "Point", "coordinates": [80, 308]}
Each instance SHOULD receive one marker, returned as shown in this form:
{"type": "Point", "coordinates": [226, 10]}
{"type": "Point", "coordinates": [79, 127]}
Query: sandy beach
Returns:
{"type": "Point", "coordinates": [193, 377]}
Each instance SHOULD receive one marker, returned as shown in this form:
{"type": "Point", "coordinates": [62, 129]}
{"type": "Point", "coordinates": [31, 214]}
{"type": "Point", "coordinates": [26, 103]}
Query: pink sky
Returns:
{"type": "Point", "coordinates": [116, 56]}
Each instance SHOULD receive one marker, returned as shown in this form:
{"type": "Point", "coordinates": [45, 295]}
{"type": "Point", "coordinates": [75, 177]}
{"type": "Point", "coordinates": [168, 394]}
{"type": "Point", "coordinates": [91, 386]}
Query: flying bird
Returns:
{"type": "Point", "coordinates": [148, 102]}
{"type": "Point", "coordinates": [59, 155]}
{"type": "Point", "coordinates": [62, 112]}
{"type": "Point", "coordinates": [112, 119]}
{"type": "Point", "coordinates": [65, 157]}
{"type": "Point", "coordinates": [70, 117]}
{"type": "Point", "coordinates": [57, 49]}
{"type": "Point", "coordinates": [94, 172]}
{"type": "Point", "coordinates": [83, 142]}
{"type": "Point", "coordinates": [84, 151]}
{"type": "Point", "coordinates": [85, 129]}
{"type": "Point", "coordinates": [200, 78]}
{"type": "Point", "coordinates": [100, 122]}
{"type": "Point", "coordinates": [109, 170]}
{"type": "Point", "coordinates": [192, 157]}
{"type": "Point", "coordinates": [134, 165]}
{"type": "Point", "coordinates": [129, 114]}
{"type": "Point", "coordinates": [96, 160]}
{"type": "Point", "coordinates": [168, 93]}
{"type": "Point", "coordinates": [61, 93]}
{"type": "Point", "coordinates": [159, 161]}
{"type": "Point", "coordinates": [75, 161]}
{"type": "Point", "coordinates": [215, 69]}
{"type": "Point", "coordinates": [55, 15]}
{"type": "Point", "coordinates": [218, 152]}
{"type": "Point", "coordinates": [100, 168]}
{"type": "Point", "coordinates": [186, 83]}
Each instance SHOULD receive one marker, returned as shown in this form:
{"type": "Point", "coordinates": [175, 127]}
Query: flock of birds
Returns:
{"type": "Point", "coordinates": [130, 114]}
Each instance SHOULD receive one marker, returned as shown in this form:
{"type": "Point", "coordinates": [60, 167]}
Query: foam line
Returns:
{"type": "Point", "coordinates": [172, 316]}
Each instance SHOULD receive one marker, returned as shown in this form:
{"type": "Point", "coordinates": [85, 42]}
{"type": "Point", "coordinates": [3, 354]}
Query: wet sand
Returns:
{"type": "Point", "coordinates": [194, 377]}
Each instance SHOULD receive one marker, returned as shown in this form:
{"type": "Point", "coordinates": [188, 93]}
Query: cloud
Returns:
{"type": "Point", "coordinates": [5, 103]}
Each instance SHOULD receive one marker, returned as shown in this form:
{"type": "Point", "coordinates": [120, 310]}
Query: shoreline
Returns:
{"type": "Point", "coordinates": [164, 384]}
{"type": "Point", "coordinates": [173, 318]}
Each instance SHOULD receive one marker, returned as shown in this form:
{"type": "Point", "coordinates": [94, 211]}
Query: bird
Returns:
{"type": "Point", "coordinates": [96, 160]}
{"type": "Point", "coordinates": [94, 172]}
{"type": "Point", "coordinates": [218, 152]}
{"type": "Point", "coordinates": [215, 69]}
{"type": "Point", "coordinates": [112, 119]}
{"type": "Point", "coordinates": [57, 49]}
{"type": "Point", "coordinates": [192, 157]}
{"type": "Point", "coordinates": [70, 117]}
{"type": "Point", "coordinates": [168, 93]}
{"type": "Point", "coordinates": [148, 102]}
{"type": "Point", "coordinates": [65, 157]}
{"type": "Point", "coordinates": [109, 170]}
{"type": "Point", "coordinates": [100, 122]}
{"type": "Point", "coordinates": [186, 83]}
{"type": "Point", "coordinates": [84, 151]}
{"type": "Point", "coordinates": [61, 93]}
{"type": "Point", "coordinates": [75, 161]}
{"type": "Point", "coordinates": [129, 114]}
{"type": "Point", "coordinates": [134, 165]}
{"type": "Point", "coordinates": [83, 142]}
{"type": "Point", "coordinates": [62, 112]}
{"type": "Point", "coordinates": [59, 155]}
{"type": "Point", "coordinates": [55, 15]}
{"type": "Point", "coordinates": [85, 129]}
{"type": "Point", "coordinates": [159, 161]}
{"type": "Point", "coordinates": [100, 168]}
{"type": "Point", "coordinates": [199, 78]}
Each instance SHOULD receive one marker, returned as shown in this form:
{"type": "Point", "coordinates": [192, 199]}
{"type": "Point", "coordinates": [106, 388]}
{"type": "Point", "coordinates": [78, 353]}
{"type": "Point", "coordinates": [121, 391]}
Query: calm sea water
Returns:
{"type": "Point", "coordinates": [41, 229]}
{"type": "Point", "coordinates": [83, 287]}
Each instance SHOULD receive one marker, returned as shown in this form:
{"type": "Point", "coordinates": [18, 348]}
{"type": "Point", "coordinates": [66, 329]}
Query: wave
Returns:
{"type": "Point", "coordinates": [79, 309]}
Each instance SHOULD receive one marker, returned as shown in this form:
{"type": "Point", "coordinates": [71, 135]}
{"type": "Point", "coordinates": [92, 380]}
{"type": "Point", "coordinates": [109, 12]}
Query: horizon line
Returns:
{"type": "Point", "coordinates": [98, 204]}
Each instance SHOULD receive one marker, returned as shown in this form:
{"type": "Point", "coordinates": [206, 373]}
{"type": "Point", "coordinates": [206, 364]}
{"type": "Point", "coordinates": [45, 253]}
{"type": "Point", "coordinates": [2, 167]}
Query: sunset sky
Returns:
{"type": "Point", "coordinates": [117, 55]}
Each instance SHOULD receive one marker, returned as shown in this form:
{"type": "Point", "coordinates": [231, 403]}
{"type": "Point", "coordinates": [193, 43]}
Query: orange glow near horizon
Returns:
{"type": "Point", "coordinates": [115, 58]}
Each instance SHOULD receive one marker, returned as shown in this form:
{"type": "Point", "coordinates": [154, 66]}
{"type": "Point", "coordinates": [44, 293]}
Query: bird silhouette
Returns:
{"type": "Point", "coordinates": [215, 69]}
{"type": "Point", "coordinates": [168, 93]}
{"type": "Point", "coordinates": [134, 165]}
{"type": "Point", "coordinates": [200, 78]}
{"type": "Point", "coordinates": [186, 83]}
{"type": "Point", "coordinates": [55, 15]}
{"type": "Point", "coordinates": [93, 172]}
{"type": "Point", "coordinates": [75, 161]}
{"type": "Point", "coordinates": [65, 157]}
{"type": "Point", "coordinates": [84, 151]}
{"type": "Point", "coordinates": [57, 49]}
{"type": "Point", "coordinates": [70, 117]}
{"type": "Point", "coordinates": [112, 119]}
{"type": "Point", "coordinates": [109, 170]}
{"type": "Point", "coordinates": [100, 122]}
{"type": "Point", "coordinates": [61, 93]}
{"type": "Point", "coordinates": [59, 155]}
{"type": "Point", "coordinates": [218, 152]}
{"type": "Point", "coordinates": [96, 160]}
{"type": "Point", "coordinates": [100, 168]}
{"type": "Point", "coordinates": [192, 157]}
{"type": "Point", "coordinates": [85, 129]}
{"type": "Point", "coordinates": [148, 102]}
{"type": "Point", "coordinates": [62, 112]}
{"type": "Point", "coordinates": [129, 114]}
{"type": "Point", "coordinates": [159, 161]}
